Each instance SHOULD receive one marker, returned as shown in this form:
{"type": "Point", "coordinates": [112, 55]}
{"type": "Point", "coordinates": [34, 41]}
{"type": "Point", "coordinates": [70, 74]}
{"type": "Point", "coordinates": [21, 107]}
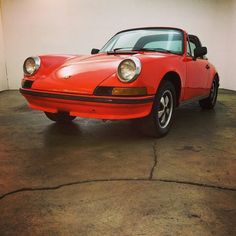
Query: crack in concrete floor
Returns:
{"type": "Point", "coordinates": [114, 180]}
{"type": "Point", "coordinates": [155, 161]}
{"type": "Point", "coordinates": [149, 179]}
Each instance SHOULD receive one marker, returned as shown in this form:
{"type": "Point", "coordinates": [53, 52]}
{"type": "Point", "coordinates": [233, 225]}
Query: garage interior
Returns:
{"type": "Point", "coordinates": [106, 178]}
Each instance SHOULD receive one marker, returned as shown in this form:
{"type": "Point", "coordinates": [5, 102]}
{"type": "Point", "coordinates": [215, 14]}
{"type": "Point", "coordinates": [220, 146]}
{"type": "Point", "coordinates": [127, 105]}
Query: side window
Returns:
{"type": "Point", "coordinates": [190, 48]}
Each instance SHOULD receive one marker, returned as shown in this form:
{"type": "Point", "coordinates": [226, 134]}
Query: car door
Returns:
{"type": "Point", "coordinates": [197, 71]}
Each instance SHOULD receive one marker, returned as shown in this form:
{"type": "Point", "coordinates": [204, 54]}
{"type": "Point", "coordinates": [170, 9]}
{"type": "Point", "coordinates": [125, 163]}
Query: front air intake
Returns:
{"type": "Point", "coordinates": [27, 84]}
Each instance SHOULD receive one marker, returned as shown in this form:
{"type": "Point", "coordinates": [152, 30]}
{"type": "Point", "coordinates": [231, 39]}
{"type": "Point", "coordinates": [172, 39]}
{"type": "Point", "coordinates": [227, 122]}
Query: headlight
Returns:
{"type": "Point", "coordinates": [129, 69]}
{"type": "Point", "coordinates": [31, 65]}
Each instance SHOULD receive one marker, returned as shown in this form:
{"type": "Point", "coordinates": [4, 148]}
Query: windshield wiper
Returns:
{"type": "Point", "coordinates": [118, 49]}
{"type": "Point", "coordinates": [156, 50]}
{"type": "Point", "coordinates": [122, 50]}
{"type": "Point", "coordinates": [134, 50]}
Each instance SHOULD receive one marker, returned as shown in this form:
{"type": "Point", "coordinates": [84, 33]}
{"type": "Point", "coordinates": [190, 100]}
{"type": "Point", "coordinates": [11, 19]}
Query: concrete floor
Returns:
{"type": "Point", "coordinates": [95, 178]}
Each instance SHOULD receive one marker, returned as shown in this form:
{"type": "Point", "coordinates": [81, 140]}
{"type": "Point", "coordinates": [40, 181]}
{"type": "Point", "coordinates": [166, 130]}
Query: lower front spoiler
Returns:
{"type": "Point", "coordinates": [111, 108]}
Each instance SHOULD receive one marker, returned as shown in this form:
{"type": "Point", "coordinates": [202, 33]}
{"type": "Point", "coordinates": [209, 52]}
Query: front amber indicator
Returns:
{"type": "Point", "coordinates": [139, 91]}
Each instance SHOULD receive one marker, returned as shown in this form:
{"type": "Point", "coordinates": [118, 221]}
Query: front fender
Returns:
{"type": "Point", "coordinates": [154, 69]}
{"type": "Point", "coordinates": [48, 64]}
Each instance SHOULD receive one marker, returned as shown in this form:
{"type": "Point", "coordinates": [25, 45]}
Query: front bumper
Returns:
{"type": "Point", "coordinates": [89, 106]}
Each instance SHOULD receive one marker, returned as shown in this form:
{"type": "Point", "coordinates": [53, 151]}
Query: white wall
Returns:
{"type": "Point", "coordinates": [3, 77]}
{"type": "Point", "coordinates": [75, 26]}
{"type": "Point", "coordinates": [231, 59]}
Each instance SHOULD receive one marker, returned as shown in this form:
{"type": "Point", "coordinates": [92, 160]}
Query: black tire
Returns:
{"type": "Point", "coordinates": [210, 101]}
{"type": "Point", "coordinates": [156, 125]}
{"type": "Point", "coordinates": [60, 117]}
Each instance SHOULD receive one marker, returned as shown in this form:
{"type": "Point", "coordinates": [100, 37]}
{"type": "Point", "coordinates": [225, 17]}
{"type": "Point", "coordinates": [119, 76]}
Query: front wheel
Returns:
{"type": "Point", "coordinates": [158, 123]}
{"type": "Point", "coordinates": [60, 117]}
{"type": "Point", "coordinates": [210, 101]}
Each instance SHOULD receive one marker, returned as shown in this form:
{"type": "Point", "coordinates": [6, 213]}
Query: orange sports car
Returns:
{"type": "Point", "coordinates": [139, 73]}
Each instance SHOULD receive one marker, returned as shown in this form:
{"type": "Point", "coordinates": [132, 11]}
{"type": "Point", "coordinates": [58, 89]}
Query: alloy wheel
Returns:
{"type": "Point", "coordinates": [165, 109]}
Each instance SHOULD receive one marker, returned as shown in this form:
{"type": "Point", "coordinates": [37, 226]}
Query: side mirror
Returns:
{"type": "Point", "coordinates": [200, 52]}
{"type": "Point", "coordinates": [95, 51]}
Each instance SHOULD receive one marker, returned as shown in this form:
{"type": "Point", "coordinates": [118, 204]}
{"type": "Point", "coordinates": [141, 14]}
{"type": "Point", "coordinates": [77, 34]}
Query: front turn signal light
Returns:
{"type": "Point", "coordinates": [120, 91]}
{"type": "Point", "coordinates": [139, 91]}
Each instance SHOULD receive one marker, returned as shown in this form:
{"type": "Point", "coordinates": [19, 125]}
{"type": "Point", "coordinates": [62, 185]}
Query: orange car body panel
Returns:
{"type": "Point", "coordinates": [67, 83]}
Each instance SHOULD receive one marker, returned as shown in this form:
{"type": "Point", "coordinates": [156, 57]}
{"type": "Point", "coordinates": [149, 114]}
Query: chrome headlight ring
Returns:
{"type": "Point", "coordinates": [129, 69]}
{"type": "Point", "coordinates": [31, 65]}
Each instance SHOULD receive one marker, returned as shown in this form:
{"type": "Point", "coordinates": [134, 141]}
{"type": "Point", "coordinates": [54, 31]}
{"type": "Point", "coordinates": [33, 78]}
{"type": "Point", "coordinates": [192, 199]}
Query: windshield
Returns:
{"type": "Point", "coordinates": [163, 40]}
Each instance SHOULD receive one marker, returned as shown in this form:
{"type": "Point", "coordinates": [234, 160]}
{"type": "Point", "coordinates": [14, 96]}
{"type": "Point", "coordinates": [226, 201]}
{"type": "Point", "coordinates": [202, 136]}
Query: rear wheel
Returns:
{"type": "Point", "coordinates": [209, 102]}
{"type": "Point", "coordinates": [60, 117]}
{"type": "Point", "coordinates": [158, 123]}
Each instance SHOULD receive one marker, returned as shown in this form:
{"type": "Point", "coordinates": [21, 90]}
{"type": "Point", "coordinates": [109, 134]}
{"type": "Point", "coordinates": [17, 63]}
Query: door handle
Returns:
{"type": "Point", "coordinates": [207, 67]}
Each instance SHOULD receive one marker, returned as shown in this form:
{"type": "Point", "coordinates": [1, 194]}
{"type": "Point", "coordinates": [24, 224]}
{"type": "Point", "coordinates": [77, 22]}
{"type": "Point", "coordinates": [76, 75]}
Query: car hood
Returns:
{"type": "Point", "coordinates": [83, 74]}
